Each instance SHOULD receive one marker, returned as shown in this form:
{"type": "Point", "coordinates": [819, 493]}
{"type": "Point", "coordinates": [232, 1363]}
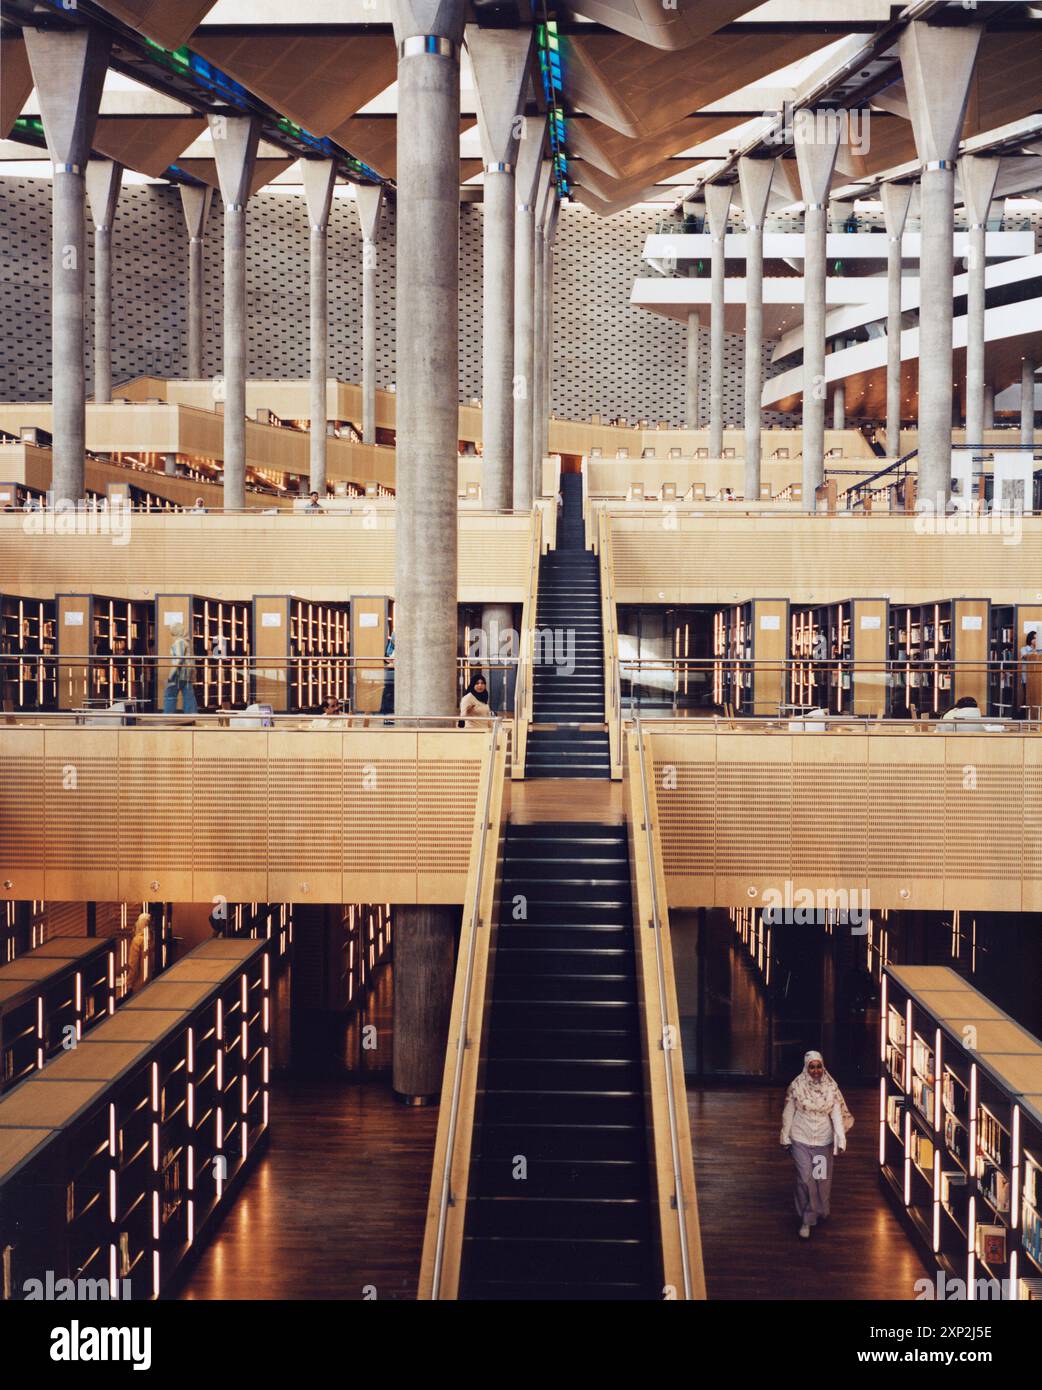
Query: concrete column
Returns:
{"type": "Point", "coordinates": [937, 110]}
{"type": "Point", "coordinates": [104, 177]}
{"type": "Point", "coordinates": [235, 148]}
{"type": "Point", "coordinates": [369, 199]}
{"type": "Point", "coordinates": [896, 198]}
{"type": "Point", "coordinates": [989, 406]}
{"type": "Point", "coordinates": [718, 203]}
{"type": "Point", "coordinates": [1027, 401]}
{"type": "Point", "coordinates": [978, 177]}
{"type": "Point", "coordinates": [428, 34]}
{"type": "Point", "coordinates": [839, 406]}
{"type": "Point", "coordinates": [816, 134]}
{"type": "Point", "coordinates": [691, 416]}
{"type": "Point", "coordinates": [754, 176]}
{"type": "Point", "coordinates": [195, 204]}
{"type": "Point", "coordinates": [68, 69]}
{"type": "Point", "coordinates": [319, 176]}
{"type": "Point", "coordinates": [529, 160]}
{"type": "Point", "coordinates": [550, 238]}
{"type": "Point", "coordinates": [543, 189]}
{"type": "Point", "coordinates": [501, 60]}
{"type": "Point", "coordinates": [428, 353]}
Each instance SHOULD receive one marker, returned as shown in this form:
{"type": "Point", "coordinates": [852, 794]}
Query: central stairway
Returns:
{"type": "Point", "coordinates": [568, 682]}
{"type": "Point", "coordinates": [559, 1203]}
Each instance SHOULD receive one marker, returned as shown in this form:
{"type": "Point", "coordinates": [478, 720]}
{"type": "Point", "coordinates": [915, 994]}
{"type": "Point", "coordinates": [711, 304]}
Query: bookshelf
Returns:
{"type": "Point", "coordinates": [960, 1129]}
{"type": "Point", "coordinates": [105, 646]}
{"type": "Point", "coordinates": [1009, 626]}
{"type": "Point", "coordinates": [131, 1145]}
{"type": "Point", "coordinates": [743, 637]}
{"type": "Point", "coordinates": [49, 997]}
{"type": "Point", "coordinates": [220, 642]}
{"type": "Point", "coordinates": [926, 640]}
{"type": "Point", "coordinates": [28, 680]}
{"type": "Point", "coordinates": [301, 650]}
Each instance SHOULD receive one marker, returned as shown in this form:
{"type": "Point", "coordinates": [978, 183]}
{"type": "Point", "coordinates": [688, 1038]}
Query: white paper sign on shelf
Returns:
{"type": "Point", "coordinates": [74, 620]}
{"type": "Point", "coordinates": [368, 620]}
{"type": "Point", "coordinates": [971, 623]}
{"type": "Point", "coordinates": [769, 622]}
{"type": "Point", "coordinates": [271, 620]}
{"type": "Point", "coordinates": [870, 622]}
{"type": "Point", "coordinates": [172, 617]}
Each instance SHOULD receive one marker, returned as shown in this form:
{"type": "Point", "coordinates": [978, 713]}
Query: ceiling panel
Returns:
{"type": "Point", "coordinates": [147, 144]}
{"type": "Point", "coordinates": [619, 157]}
{"type": "Point", "coordinates": [16, 82]}
{"type": "Point", "coordinates": [374, 140]}
{"type": "Point", "coordinates": [318, 82]}
{"type": "Point", "coordinates": [169, 22]}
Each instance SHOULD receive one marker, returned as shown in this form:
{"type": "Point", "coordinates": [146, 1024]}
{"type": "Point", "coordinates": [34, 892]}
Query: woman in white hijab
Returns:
{"type": "Point", "coordinates": [814, 1129]}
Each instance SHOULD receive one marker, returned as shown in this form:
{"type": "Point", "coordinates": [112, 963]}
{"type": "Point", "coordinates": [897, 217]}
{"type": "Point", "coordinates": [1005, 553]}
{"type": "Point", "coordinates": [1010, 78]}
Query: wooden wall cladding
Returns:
{"type": "Point", "coordinates": [685, 559]}
{"type": "Point", "coordinates": [917, 820]}
{"type": "Point", "coordinates": [268, 816]}
{"type": "Point", "coordinates": [328, 557]}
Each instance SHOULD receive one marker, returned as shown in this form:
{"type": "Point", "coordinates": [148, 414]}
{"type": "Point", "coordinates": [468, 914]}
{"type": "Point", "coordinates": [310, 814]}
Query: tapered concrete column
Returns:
{"type": "Point", "coordinates": [526, 183]}
{"type": "Point", "coordinates": [896, 198]}
{"type": "Point", "coordinates": [978, 177]}
{"type": "Point", "coordinates": [319, 176]}
{"type": "Point", "coordinates": [543, 190]}
{"type": "Point", "coordinates": [1027, 401]}
{"type": "Point", "coordinates": [839, 406]}
{"type": "Point", "coordinates": [718, 204]}
{"type": "Point", "coordinates": [428, 34]}
{"type": "Point", "coordinates": [989, 406]}
{"type": "Point", "coordinates": [501, 60]}
{"type": "Point", "coordinates": [937, 110]}
{"type": "Point", "coordinates": [235, 148]}
{"type": "Point", "coordinates": [104, 177]}
{"type": "Point", "coordinates": [754, 177]}
{"type": "Point", "coordinates": [816, 134]}
{"type": "Point", "coordinates": [68, 69]}
{"type": "Point", "coordinates": [369, 199]}
{"type": "Point", "coordinates": [691, 416]}
{"type": "Point", "coordinates": [195, 204]}
{"type": "Point", "coordinates": [550, 238]}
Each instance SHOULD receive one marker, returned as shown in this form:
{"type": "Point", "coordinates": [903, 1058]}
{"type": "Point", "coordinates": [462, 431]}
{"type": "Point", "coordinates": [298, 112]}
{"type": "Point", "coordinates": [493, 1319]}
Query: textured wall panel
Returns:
{"type": "Point", "coordinates": [609, 359]}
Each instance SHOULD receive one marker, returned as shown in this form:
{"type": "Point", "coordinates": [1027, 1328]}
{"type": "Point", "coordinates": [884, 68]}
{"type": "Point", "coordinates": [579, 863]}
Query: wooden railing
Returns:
{"type": "Point", "coordinates": [526, 655]}
{"type": "Point", "coordinates": [610, 631]}
{"type": "Point", "coordinates": [447, 1202]}
{"type": "Point", "coordinates": [671, 1155]}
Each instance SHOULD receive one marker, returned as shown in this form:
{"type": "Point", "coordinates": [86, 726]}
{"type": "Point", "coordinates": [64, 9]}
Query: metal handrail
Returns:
{"type": "Point", "coordinates": [612, 664]}
{"type": "Point", "coordinates": [671, 1100]}
{"type": "Point", "coordinates": [523, 684]}
{"type": "Point", "coordinates": [462, 1039]}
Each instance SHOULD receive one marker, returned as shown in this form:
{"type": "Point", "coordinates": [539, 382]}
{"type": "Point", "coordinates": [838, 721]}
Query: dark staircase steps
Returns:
{"type": "Point", "coordinates": [562, 1082]}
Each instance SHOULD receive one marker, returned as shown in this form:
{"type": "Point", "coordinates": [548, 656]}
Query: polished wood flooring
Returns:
{"type": "Point", "coordinates": [749, 1243]}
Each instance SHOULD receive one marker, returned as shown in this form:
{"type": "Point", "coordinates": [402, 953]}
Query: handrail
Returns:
{"type": "Point", "coordinates": [610, 637]}
{"type": "Point", "coordinates": [524, 685]}
{"type": "Point", "coordinates": [682, 1202]}
{"type": "Point", "coordinates": [449, 1119]}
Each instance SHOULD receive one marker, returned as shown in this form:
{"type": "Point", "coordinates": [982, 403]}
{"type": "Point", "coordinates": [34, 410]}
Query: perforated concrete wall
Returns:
{"type": "Point", "coordinates": [609, 359]}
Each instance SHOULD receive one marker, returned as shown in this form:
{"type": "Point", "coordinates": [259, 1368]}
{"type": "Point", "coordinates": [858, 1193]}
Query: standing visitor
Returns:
{"type": "Point", "coordinates": [814, 1129]}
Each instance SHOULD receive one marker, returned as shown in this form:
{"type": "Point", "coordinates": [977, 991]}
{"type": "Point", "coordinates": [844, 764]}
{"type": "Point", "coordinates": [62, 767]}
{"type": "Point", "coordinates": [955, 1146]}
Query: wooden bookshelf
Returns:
{"type": "Point", "coordinates": [28, 642]}
{"type": "Point", "coordinates": [105, 646]}
{"type": "Point", "coordinates": [117, 1157]}
{"type": "Point", "coordinates": [49, 997]}
{"type": "Point", "coordinates": [219, 631]}
{"type": "Point", "coordinates": [1009, 627]}
{"type": "Point", "coordinates": [301, 652]}
{"type": "Point", "coordinates": [939, 653]}
{"type": "Point", "coordinates": [744, 636]}
{"type": "Point", "coordinates": [960, 1132]}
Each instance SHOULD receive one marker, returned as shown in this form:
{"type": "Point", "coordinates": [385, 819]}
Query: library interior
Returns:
{"type": "Point", "coordinates": [520, 684]}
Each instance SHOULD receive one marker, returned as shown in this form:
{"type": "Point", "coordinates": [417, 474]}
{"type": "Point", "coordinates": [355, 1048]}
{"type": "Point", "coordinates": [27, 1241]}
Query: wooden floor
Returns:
{"type": "Point", "coordinates": [566, 798]}
{"type": "Point", "coordinates": [749, 1241]}
{"type": "Point", "coordinates": [336, 1205]}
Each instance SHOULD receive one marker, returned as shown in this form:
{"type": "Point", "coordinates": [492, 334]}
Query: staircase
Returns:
{"type": "Point", "coordinates": [569, 603]}
{"type": "Point", "coordinates": [563, 1089]}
